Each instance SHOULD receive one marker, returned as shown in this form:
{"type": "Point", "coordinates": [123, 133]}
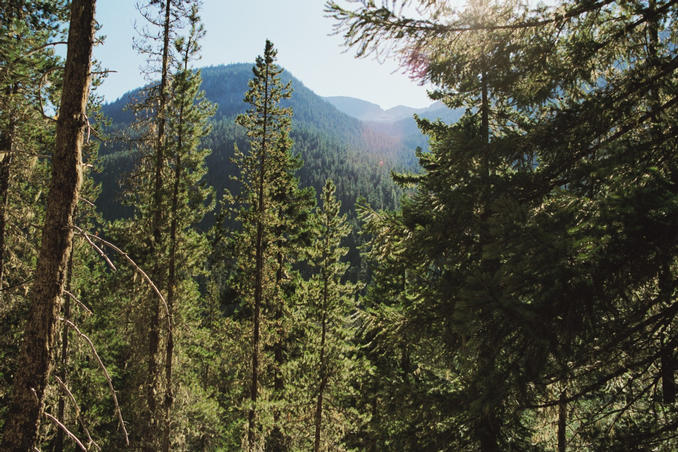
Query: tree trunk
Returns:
{"type": "Point", "coordinates": [277, 441]}
{"type": "Point", "coordinates": [59, 439]}
{"type": "Point", "coordinates": [321, 388]}
{"type": "Point", "coordinates": [562, 422]}
{"type": "Point", "coordinates": [323, 364]}
{"type": "Point", "coordinates": [36, 357]}
{"type": "Point", "coordinates": [259, 273]}
{"type": "Point", "coordinates": [171, 287]}
{"type": "Point", "coordinates": [489, 423]}
{"type": "Point", "coordinates": [150, 434]}
{"type": "Point", "coordinates": [5, 165]}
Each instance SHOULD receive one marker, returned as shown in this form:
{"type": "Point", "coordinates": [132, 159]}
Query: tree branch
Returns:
{"type": "Point", "coordinates": [105, 372]}
{"type": "Point", "coordinates": [68, 432]}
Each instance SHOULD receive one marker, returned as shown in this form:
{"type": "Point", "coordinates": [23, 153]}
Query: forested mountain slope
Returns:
{"type": "Point", "coordinates": [357, 155]}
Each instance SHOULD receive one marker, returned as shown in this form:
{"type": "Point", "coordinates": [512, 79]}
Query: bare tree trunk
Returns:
{"type": "Point", "coordinates": [36, 357]}
{"type": "Point", "coordinates": [154, 308]}
{"type": "Point", "coordinates": [562, 422]}
{"type": "Point", "coordinates": [59, 440]}
{"type": "Point", "coordinates": [277, 441]}
{"type": "Point", "coordinates": [259, 275]}
{"type": "Point", "coordinates": [489, 424]}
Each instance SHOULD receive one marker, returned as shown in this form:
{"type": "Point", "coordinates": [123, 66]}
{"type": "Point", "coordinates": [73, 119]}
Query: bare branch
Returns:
{"type": "Point", "coordinates": [77, 412]}
{"type": "Point", "coordinates": [86, 201]}
{"type": "Point", "coordinates": [74, 298]}
{"type": "Point", "coordinates": [96, 248]}
{"type": "Point", "coordinates": [136, 267]}
{"type": "Point", "coordinates": [42, 106]}
{"type": "Point", "coordinates": [68, 432]}
{"type": "Point", "coordinates": [105, 372]}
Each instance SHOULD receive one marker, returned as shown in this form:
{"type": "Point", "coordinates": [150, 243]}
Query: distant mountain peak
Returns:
{"type": "Point", "coordinates": [368, 111]}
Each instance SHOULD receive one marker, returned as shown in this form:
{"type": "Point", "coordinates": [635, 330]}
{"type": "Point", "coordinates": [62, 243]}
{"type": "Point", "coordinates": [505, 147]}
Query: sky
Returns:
{"type": "Point", "coordinates": [236, 33]}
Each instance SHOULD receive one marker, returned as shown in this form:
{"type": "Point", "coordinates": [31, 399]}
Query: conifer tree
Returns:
{"type": "Point", "coordinates": [504, 241]}
{"type": "Point", "coordinates": [29, 73]}
{"type": "Point", "coordinates": [188, 200]}
{"type": "Point", "coordinates": [270, 204]}
{"type": "Point", "coordinates": [150, 191]}
{"type": "Point", "coordinates": [329, 308]}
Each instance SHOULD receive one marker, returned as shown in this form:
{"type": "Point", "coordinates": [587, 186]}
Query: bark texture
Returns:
{"type": "Point", "coordinates": [150, 429]}
{"type": "Point", "coordinates": [36, 357]}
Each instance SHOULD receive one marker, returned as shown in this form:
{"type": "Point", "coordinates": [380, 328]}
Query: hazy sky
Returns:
{"type": "Point", "coordinates": [236, 32]}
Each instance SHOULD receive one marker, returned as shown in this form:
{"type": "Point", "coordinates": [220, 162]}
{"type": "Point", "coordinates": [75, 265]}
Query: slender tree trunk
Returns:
{"type": "Point", "coordinates": [562, 422]}
{"type": "Point", "coordinates": [59, 439]}
{"type": "Point", "coordinates": [154, 307]}
{"type": "Point", "coordinates": [259, 273]}
{"type": "Point", "coordinates": [485, 130]}
{"type": "Point", "coordinates": [667, 363]}
{"type": "Point", "coordinates": [5, 166]}
{"type": "Point", "coordinates": [277, 440]}
{"type": "Point", "coordinates": [6, 147]}
{"type": "Point", "coordinates": [171, 287]}
{"type": "Point", "coordinates": [36, 357]}
{"type": "Point", "coordinates": [489, 424]}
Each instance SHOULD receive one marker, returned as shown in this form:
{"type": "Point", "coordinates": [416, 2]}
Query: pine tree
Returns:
{"type": "Point", "coordinates": [272, 211]}
{"type": "Point", "coordinates": [512, 235]}
{"type": "Point", "coordinates": [150, 191]}
{"type": "Point", "coordinates": [329, 308]}
{"type": "Point", "coordinates": [189, 195]}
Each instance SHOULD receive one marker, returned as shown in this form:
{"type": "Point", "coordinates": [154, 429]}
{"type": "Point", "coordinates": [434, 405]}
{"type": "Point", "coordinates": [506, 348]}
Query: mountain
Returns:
{"type": "Point", "coordinates": [369, 112]}
{"type": "Point", "coordinates": [357, 108]}
{"type": "Point", "coordinates": [355, 154]}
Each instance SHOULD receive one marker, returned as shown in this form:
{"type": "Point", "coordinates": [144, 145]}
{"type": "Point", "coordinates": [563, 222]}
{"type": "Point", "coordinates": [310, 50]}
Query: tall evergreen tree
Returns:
{"type": "Point", "coordinates": [329, 310]}
{"type": "Point", "coordinates": [270, 209]}
{"type": "Point", "coordinates": [188, 200]}
{"type": "Point", "coordinates": [29, 32]}
{"type": "Point", "coordinates": [150, 191]}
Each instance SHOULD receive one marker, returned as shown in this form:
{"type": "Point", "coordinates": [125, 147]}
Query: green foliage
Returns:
{"type": "Point", "coordinates": [531, 242]}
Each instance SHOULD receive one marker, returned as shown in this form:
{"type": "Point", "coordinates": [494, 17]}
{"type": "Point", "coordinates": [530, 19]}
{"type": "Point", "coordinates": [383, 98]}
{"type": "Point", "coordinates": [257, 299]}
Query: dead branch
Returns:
{"type": "Point", "coordinates": [105, 372]}
{"type": "Point", "coordinates": [68, 432]}
{"type": "Point", "coordinates": [133, 264]}
{"type": "Point", "coordinates": [96, 247]}
{"type": "Point", "coordinates": [42, 106]}
{"type": "Point", "coordinates": [68, 392]}
{"type": "Point", "coordinates": [82, 305]}
{"type": "Point", "coordinates": [86, 201]}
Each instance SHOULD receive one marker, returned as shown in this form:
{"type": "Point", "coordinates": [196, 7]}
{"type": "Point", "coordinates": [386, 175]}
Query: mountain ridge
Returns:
{"type": "Point", "coordinates": [371, 112]}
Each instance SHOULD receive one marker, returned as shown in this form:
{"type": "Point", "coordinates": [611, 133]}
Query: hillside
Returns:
{"type": "Point", "coordinates": [357, 155]}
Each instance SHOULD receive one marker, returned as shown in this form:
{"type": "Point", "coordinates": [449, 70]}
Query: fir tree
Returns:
{"type": "Point", "coordinates": [329, 307]}
{"type": "Point", "coordinates": [272, 211]}
{"type": "Point", "coordinates": [188, 199]}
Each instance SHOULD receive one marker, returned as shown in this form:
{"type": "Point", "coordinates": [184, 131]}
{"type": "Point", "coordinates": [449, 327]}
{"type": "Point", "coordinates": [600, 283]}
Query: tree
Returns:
{"type": "Point", "coordinates": [270, 205]}
{"type": "Point", "coordinates": [36, 359]}
{"type": "Point", "coordinates": [150, 192]}
{"type": "Point", "coordinates": [30, 30]}
{"type": "Point", "coordinates": [503, 240]}
{"type": "Point", "coordinates": [187, 126]}
{"type": "Point", "coordinates": [329, 307]}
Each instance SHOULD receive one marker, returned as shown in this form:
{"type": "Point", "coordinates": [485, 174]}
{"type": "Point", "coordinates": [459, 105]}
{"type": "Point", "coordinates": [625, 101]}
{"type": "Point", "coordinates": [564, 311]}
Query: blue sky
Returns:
{"type": "Point", "coordinates": [236, 32]}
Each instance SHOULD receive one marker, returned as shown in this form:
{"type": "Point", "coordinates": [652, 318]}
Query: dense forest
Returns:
{"type": "Point", "coordinates": [220, 260]}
